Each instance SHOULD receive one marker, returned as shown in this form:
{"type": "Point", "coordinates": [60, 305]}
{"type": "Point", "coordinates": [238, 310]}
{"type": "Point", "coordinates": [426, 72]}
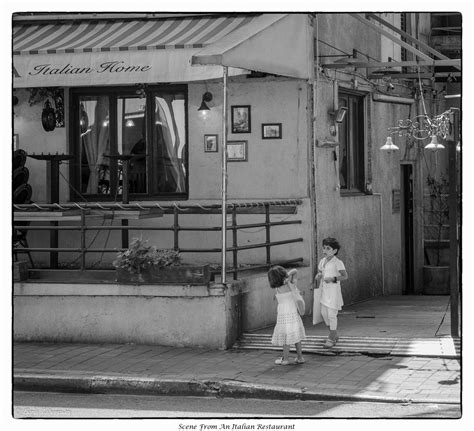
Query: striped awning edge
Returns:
{"type": "Point", "coordinates": [124, 35]}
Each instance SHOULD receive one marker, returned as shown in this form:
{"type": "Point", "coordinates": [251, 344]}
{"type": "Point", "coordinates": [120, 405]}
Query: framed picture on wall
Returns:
{"type": "Point", "coordinates": [236, 151]}
{"type": "Point", "coordinates": [210, 143]}
{"type": "Point", "coordinates": [271, 131]}
{"type": "Point", "coordinates": [240, 118]}
{"type": "Point", "coordinates": [16, 141]}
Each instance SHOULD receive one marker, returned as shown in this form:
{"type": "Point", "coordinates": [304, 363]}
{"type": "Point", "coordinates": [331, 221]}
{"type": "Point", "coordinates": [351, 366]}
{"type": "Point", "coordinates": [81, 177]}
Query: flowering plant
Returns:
{"type": "Point", "coordinates": [140, 256]}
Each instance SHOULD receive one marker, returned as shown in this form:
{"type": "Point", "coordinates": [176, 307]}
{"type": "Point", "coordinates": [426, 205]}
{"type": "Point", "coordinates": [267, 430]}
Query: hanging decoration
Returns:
{"type": "Point", "coordinates": [48, 117]}
{"type": "Point", "coordinates": [423, 127]}
{"type": "Point", "coordinates": [38, 95]}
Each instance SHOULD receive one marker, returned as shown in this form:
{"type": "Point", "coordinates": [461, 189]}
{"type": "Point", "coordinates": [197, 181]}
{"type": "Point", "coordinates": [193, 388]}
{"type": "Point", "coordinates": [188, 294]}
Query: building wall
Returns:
{"type": "Point", "coordinates": [359, 221]}
{"type": "Point", "coordinates": [275, 170]}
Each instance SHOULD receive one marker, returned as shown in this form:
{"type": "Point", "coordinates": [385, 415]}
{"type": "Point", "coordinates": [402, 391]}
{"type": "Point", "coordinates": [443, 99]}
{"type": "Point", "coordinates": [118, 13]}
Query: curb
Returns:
{"type": "Point", "coordinates": [120, 384]}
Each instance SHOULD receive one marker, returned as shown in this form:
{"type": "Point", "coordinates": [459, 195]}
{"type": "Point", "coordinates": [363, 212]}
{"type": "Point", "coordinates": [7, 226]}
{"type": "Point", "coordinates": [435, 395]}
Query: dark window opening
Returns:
{"type": "Point", "coordinates": [352, 144]}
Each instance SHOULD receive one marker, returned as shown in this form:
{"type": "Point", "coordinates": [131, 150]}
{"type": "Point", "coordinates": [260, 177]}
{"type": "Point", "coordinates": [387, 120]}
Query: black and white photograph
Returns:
{"type": "Point", "coordinates": [271, 131]}
{"type": "Point", "coordinates": [210, 143]}
{"type": "Point", "coordinates": [311, 268]}
{"type": "Point", "coordinates": [237, 151]}
{"type": "Point", "coordinates": [240, 116]}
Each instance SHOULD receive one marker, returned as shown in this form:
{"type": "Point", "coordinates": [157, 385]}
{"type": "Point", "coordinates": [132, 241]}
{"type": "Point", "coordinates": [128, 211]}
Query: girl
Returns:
{"type": "Point", "coordinates": [289, 328]}
{"type": "Point", "coordinates": [331, 271]}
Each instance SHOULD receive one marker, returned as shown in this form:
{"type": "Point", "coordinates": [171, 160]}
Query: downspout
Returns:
{"type": "Point", "coordinates": [315, 65]}
{"type": "Point", "coordinates": [224, 178]}
{"type": "Point", "coordinates": [381, 241]}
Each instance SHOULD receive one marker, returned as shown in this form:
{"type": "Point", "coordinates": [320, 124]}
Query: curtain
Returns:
{"type": "Point", "coordinates": [170, 170]}
{"type": "Point", "coordinates": [95, 143]}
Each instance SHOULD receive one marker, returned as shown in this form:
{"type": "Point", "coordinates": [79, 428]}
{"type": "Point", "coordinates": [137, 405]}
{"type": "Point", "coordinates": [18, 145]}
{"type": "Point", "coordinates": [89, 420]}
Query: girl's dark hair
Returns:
{"type": "Point", "coordinates": [276, 276]}
{"type": "Point", "coordinates": [332, 242]}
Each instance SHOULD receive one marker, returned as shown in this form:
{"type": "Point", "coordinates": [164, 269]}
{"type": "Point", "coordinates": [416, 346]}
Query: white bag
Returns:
{"type": "Point", "coordinates": [299, 301]}
{"type": "Point", "coordinates": [317, 316]}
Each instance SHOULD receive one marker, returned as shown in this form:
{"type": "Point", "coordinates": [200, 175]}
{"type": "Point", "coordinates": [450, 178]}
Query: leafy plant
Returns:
{"type": "Point", "coordinates": [438, 191]}
{"type": "Point", "coordinates": [140, 256]}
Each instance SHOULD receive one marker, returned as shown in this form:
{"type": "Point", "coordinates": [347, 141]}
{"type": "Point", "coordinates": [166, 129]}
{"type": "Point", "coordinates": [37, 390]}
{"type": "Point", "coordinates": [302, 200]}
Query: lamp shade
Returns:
{"type": "Point", "coordinates": [389, 145]}
{"type": "Point", "coordinates": [434, 144]}
{"type": "Point", "coordinates": [206, 97]}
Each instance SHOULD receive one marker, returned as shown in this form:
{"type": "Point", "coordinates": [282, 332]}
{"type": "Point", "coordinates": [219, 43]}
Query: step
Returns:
{"type": "Point", "coordinates": [445, 347]}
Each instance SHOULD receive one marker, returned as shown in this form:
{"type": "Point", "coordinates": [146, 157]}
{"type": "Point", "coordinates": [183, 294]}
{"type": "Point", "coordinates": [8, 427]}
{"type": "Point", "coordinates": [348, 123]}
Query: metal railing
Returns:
{"type": "Point", "coordinates": [107, 210]}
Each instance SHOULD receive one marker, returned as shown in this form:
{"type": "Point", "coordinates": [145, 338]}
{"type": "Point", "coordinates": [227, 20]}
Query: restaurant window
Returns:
{"type": "Point", "coordinates": [352, 143]}
{"type": "Point", "coordinates": [148, 124]}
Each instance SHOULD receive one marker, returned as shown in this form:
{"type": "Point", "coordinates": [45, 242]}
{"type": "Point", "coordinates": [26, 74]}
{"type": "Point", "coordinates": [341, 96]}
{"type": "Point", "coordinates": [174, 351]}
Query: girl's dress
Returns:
{"type": "Point", "coordinates": [289, 328]}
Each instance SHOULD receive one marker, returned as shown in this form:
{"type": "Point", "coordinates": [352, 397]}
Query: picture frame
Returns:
{"type": "Point", "coordinates": [240, 119]}
{"type": "Point", "coordinates": [210, 144]}
{"type": "Point", "coordinates": [271, 131]}
{"type": "Point", "coordinates": [237, 151]}
{"type": "Point", "coordinates": [16, 141]}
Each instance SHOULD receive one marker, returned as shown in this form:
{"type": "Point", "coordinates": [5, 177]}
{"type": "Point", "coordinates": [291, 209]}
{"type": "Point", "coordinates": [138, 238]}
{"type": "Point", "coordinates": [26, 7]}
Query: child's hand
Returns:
{"type": "Point", "coordinates": [318, 276]}
{"type": "Point", "coordinates": [292, 273]}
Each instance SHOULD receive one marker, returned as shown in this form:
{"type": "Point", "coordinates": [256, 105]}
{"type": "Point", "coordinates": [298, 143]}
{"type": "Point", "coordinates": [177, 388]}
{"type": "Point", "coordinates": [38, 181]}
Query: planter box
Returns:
{"type": "Point", "coordinates": [436, 280]}
{"type": "Point", "coordinates": [183, 274]}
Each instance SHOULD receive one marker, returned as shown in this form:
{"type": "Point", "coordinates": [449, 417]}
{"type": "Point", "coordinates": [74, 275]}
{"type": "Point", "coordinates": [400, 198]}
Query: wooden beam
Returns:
{"type": "Point", "coordinates": [413, 75]}
{"type": "Point", "coordinates": [390, 36]}
{"type": "Point", "coordinates": [410, 38]}
{"type": "Point", "coordinates": [451, 62]}
{"type": "Point", "coordinates": [407, 36]}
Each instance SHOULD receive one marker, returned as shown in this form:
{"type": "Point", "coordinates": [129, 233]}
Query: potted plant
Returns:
{"type": "Point", "coordinates": [436, 268]}
{"type": "Point", "coordinates": [142, 263]}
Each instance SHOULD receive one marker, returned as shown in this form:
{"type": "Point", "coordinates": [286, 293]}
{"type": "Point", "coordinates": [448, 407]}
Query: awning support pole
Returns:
{"type": "Point", "coordinates": [224, 177]}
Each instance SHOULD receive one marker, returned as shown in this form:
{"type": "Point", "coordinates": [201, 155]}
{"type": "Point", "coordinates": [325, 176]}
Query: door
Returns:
{"type": "Point", "coordinates": [407, 228]}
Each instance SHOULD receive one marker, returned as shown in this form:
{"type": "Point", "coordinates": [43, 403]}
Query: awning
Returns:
{"type": "Point", "coordinates": [281, 44]}
{"type": "Point", "coordinates": [102, 52]}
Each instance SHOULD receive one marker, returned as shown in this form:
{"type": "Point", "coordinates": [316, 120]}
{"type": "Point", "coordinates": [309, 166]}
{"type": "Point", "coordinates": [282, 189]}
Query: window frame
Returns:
{"type": "Point", "coordinates": [114, 93]}
{"type": "Point", "coordinates": [361, 98]}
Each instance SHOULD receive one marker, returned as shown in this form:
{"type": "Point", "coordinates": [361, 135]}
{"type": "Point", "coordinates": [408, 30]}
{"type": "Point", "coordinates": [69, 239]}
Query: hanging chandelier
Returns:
{"type": "Point", "coordinates": [423, 127]}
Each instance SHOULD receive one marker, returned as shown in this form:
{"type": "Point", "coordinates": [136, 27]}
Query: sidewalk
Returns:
{"type": "Point", "coordinates": [162, 370]}
{"type": "Point", "coordinates": [365, 366]}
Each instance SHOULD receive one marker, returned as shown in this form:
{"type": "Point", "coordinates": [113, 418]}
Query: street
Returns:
{"type": "Point", "coordinates": [61, 405]}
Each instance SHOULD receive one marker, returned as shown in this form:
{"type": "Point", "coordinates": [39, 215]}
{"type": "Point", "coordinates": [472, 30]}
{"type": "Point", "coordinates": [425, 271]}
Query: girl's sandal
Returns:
{"type": "Point", "coordinates": [281, 361]}
{"type": "Point", "coordinates": [299, 361]}
{"type": "Point", "coordinates": [329, 344]}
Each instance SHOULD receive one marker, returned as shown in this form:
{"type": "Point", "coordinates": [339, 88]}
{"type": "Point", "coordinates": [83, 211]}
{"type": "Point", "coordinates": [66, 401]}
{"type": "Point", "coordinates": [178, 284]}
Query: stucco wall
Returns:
{"type": "Point", "coordinates": [359, 221]}
{"type": "Point", "coordinates": [166, 315]}
{"type": "Point", "coordinates": [276, 168]}
{"type": "Point", "coordinates": [259, 306]}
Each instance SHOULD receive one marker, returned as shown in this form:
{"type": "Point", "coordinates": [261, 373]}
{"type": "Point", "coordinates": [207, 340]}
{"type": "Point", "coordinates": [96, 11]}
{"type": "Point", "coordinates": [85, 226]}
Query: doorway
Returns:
{"type": "Point", "coordinates": [407, 229]}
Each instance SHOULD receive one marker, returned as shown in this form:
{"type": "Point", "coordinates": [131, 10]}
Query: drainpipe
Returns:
{"type": "Point", "coordinates": [381, 242]}
{"type": "Point", "coordinates": [224, 178]}
{"type": "Point", "coordinates": [313, 150]}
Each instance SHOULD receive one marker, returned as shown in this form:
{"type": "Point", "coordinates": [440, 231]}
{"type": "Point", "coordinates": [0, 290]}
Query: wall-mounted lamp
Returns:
{"type": "Point", "coordinates": [206, 97]}
{"type": "Point", "coordinates": [338, 118]}
{"type": "Point", "coordinates": [339, 115]}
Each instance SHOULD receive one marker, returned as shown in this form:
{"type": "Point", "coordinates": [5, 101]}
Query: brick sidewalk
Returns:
{"type": "Point", "coordinates": [160, 369]}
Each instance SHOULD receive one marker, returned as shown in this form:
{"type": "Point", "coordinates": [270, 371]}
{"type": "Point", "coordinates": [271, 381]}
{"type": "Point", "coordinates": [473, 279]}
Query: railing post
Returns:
{"type": "Point", "coordinates": [176, 228]}
{"type": "Point", "coordinates": [235, 261]}
{"type": "Point", "coordinates": [267, 231]}
{"type": "Point", "coordinates": [83, 239]}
